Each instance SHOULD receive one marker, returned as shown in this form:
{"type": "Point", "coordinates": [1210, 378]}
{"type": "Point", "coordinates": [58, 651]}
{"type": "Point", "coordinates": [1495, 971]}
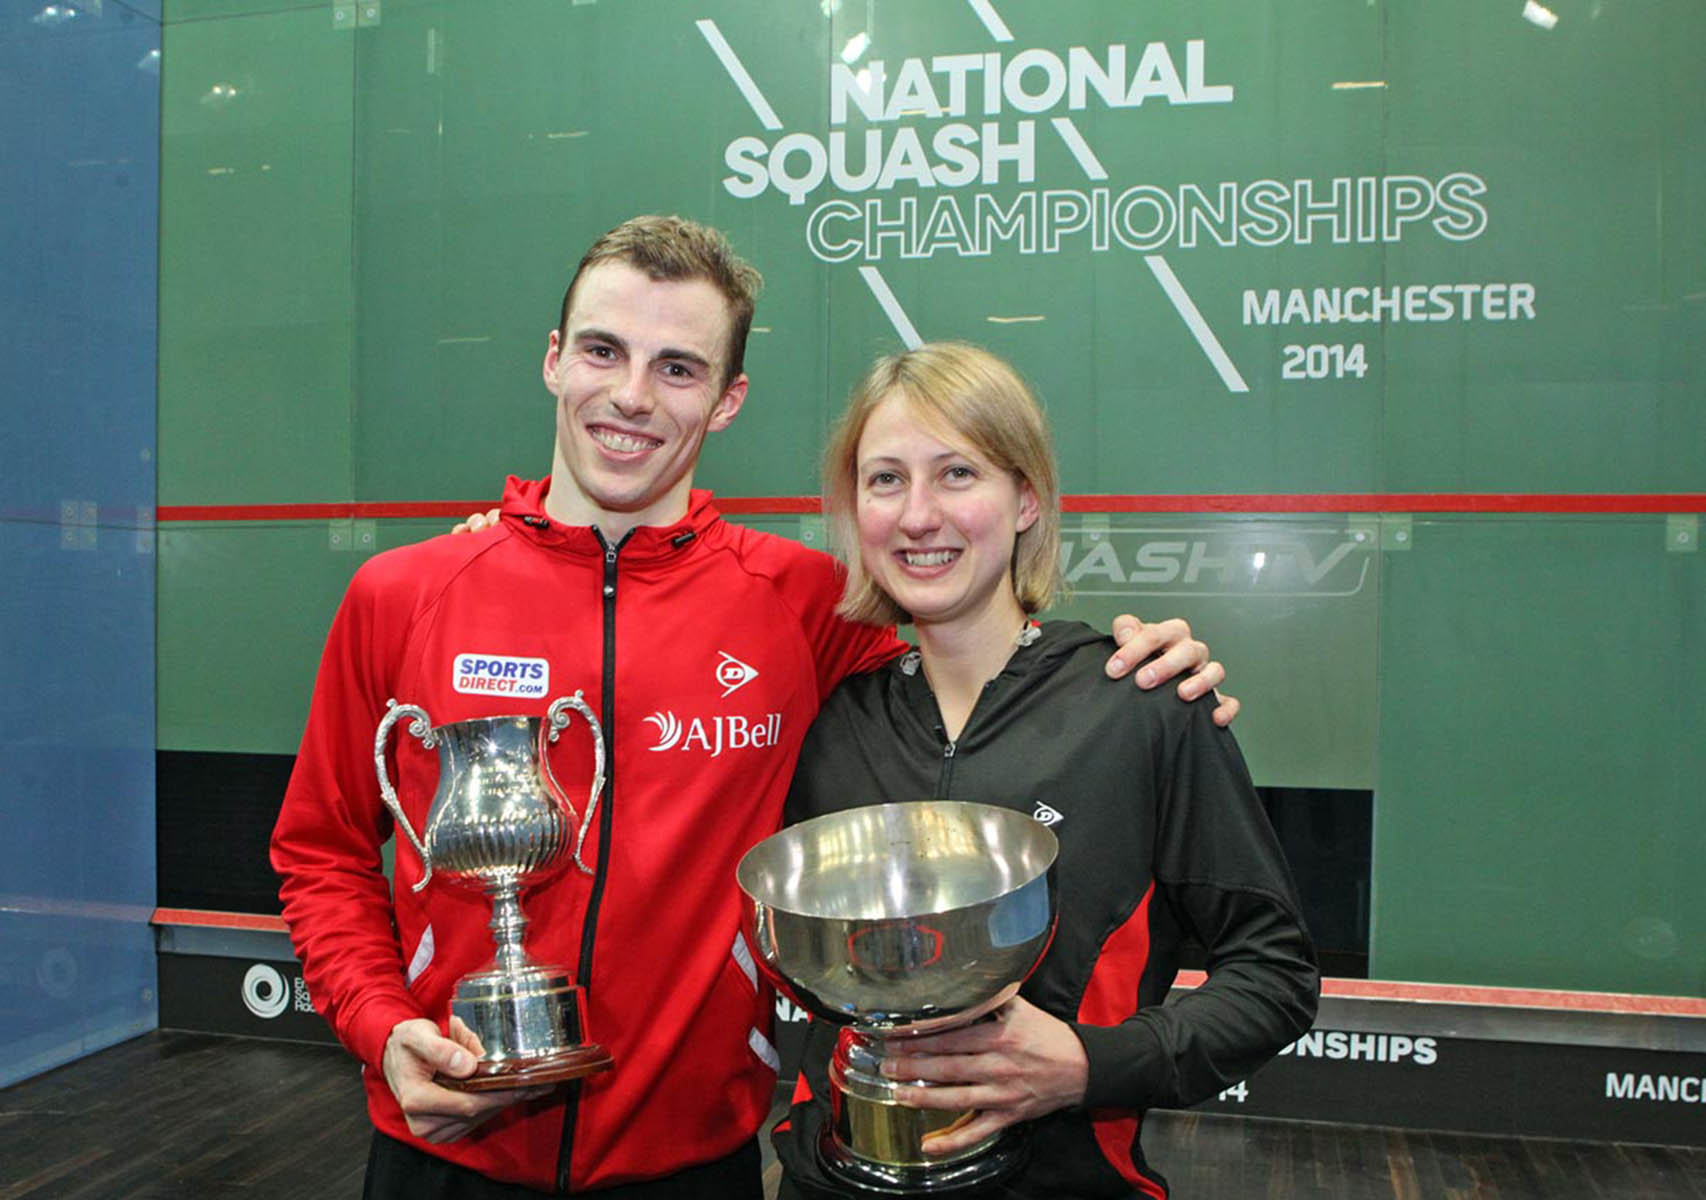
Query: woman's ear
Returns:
{"type": "Point", "coordinates": [1029, 508]}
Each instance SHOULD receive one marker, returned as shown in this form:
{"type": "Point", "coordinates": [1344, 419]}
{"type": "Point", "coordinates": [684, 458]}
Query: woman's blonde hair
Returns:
{"type": "Point", "coordinates": [971, 394]}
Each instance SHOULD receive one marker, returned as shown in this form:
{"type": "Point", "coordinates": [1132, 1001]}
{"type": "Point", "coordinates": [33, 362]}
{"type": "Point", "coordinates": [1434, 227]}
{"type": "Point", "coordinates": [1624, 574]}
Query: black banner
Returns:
{"type": "Point", "coordinates": [246, 996]}
{"type": "Point", "coordinates": [1592, 1093]}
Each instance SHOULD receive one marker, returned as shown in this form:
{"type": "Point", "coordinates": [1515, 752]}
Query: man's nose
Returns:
{"type": "Point", "coordinates": [632, 394]}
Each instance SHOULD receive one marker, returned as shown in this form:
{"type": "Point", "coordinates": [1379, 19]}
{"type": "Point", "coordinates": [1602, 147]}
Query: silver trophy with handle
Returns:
{"type": "Point", "coordinates": [500, 821]}
{"type": "Point", "coordinates": [895, 921]}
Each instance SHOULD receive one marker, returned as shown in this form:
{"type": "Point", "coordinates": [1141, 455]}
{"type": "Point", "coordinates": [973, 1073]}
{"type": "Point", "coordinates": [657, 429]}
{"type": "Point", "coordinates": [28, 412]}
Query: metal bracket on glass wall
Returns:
{"type": "Point", "coordinates": [1093, 526]}
{"type": "Point", "coordinates": [1395, 532]}
{"type": "Point", "coordinates": [352, 16]}
{"type": "Point", "coordinates": [1682, 533]}
{"type": "Point", "coordinates": [812, 531]}
{"type": "Point", "coordinates": [79, 524]}
{"type": "Point", "coordinates": [344, 534]}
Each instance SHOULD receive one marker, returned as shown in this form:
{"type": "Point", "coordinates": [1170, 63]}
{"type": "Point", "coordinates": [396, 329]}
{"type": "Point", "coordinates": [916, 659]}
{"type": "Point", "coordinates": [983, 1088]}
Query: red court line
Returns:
{"type": "Point", "coordinates": [342, 510]}
{"type": "Point", "coordinates": [1497, 997]}
{"type": "Point", "coordinates": [209, 919]}
{"type": "Point", "coordinates": [1397, 502]}
{"type": "Point", "coordinates": [1248, 502]}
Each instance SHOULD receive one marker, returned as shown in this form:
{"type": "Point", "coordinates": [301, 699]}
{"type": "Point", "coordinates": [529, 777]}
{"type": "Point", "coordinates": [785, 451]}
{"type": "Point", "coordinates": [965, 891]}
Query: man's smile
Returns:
{"type": "Point", "coordinates": [622, 441]}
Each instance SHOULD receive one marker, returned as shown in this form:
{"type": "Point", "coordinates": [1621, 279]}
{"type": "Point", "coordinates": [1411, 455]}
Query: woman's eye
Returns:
{"type": "Point", "coordinates": [883, 479]}
{"type": "Point", "coordinates": [960, 473]}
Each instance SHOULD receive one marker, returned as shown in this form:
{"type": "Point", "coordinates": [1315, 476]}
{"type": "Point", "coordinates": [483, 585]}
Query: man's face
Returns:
{"type": "Point", "coordinates": [638, 377]}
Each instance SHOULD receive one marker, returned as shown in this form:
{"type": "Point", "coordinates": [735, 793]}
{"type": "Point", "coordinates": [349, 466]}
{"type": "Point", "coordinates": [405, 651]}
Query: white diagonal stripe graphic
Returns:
{"type": "Point", "coordinates": [743, 959]}
{"type": "Point", "coordinates": [764, 1048]}
{"type": "Point", "coordinates": [732, 64]}
{"type": "Point", "coordinates": [1080, 148]}
{"type": "Point", "coordinates": [1193, 321]}
{"type": "Point", "coordinates": [991, 20]}
{"type": "Point", "coordinates": [891, 307]}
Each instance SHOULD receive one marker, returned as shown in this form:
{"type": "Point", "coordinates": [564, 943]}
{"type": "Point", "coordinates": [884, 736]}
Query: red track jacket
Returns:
{"type": "Point", "coordinates": [705, 649]}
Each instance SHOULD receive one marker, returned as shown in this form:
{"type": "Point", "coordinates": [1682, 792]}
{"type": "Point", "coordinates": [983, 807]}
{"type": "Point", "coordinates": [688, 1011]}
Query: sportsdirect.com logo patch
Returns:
{"type": "Point", "coordinates": [500, 675]}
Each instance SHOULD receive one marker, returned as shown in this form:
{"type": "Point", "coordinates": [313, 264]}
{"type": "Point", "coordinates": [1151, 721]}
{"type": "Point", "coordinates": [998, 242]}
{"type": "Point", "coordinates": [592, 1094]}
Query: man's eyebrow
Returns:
{"type": "Point", "coordinates": [671, 354]}
{"type": "Point", "coordinates": [593, 334]}
{"type": "Point", "coordinates": [668, 354]}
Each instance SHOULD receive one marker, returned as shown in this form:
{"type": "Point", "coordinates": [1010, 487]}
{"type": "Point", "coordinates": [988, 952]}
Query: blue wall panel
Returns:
{"type": "Point", "coordinates": [80, 142]}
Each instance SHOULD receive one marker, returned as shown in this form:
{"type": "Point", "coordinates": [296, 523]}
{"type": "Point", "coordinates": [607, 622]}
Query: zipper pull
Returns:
{"type": "Point", "coordinates": [948, 750]}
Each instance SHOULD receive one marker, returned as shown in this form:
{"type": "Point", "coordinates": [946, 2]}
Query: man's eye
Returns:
{"type": "Point", "coordinates": [600, 352]}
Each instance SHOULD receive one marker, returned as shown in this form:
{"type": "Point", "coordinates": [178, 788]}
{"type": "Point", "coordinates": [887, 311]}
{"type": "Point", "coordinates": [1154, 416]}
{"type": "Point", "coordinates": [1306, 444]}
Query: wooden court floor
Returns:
{"type": "Point", "coordinates": [178, 1116]}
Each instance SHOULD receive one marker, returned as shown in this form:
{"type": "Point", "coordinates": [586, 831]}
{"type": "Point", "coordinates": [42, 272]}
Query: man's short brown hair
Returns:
{"type": "Point", "coordinates": [674, 249]}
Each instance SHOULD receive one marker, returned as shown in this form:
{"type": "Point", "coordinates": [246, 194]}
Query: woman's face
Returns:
{"type": "Point", "coordinates": [937, 520]}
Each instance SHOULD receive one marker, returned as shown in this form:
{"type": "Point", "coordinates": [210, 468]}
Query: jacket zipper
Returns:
{"type": "Point", "coordinates": [589, 923]}
{"type": "Point", "coordinates": [946, 776]}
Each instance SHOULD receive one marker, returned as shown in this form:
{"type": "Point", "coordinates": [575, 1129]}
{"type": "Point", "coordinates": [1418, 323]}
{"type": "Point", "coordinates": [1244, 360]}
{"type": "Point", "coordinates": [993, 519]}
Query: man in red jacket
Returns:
{"type": "Point", "coordinates": [616, 578]}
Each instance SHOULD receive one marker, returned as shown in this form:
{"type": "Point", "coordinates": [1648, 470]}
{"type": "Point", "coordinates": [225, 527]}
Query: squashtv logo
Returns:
{"type": "Point", "coordinates": [501, 675]}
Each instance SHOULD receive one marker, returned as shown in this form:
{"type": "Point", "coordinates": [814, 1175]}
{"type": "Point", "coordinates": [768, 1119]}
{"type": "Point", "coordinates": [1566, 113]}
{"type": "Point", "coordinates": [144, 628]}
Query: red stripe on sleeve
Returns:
{"type": "Point", "coordinates": [1109, 998]}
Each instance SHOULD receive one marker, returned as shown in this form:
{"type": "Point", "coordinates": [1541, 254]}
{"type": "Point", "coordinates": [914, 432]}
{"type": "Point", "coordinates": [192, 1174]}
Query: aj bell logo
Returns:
{"type": "Point", "coordinates": [733, 674]}
{"type": "Point", "coordinates": [716, 734]}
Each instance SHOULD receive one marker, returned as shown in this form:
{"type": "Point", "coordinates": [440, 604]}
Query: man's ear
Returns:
{"type": "Point", "coordinates": [553, 353]}
{"type": "Point", "coordinates": [1029, 508]}
{"type": "Point", "coordinates": [728, 404]}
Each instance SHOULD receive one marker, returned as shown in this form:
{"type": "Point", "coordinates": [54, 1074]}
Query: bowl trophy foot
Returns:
{"type": "Point", "coordinates": [985, 1169]}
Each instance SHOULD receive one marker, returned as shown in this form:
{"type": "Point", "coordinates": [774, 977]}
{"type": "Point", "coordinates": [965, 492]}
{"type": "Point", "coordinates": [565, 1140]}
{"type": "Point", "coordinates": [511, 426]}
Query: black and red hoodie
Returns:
{"type": "Point", "coordinates": [705, 649]}
{"type": "Point", "coordinates": [1162, 839]}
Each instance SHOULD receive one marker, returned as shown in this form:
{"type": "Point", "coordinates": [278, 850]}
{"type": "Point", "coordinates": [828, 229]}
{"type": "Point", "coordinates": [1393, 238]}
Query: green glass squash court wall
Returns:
{"type": "Point", "coordinates": [1410, 297]}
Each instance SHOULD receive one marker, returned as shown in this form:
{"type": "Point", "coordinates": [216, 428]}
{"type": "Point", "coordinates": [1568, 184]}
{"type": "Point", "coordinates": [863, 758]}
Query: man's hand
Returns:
{"type": "Point", "coordinates": [1164, 650]}
{"type": "Point", "coordinates": [476, 522]}
{"type": "Point", "coordinates": [1022, 1064]}
{"type": "Point", "coordinates": [414, 1053]}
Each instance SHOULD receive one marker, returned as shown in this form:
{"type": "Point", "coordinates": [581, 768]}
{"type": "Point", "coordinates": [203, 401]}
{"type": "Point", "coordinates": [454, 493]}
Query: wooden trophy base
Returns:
{"type": "Point", "coordinates": [537, 1072]}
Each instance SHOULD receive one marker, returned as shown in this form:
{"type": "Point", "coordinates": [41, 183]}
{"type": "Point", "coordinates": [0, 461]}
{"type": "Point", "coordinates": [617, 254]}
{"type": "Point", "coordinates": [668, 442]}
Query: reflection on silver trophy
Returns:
{"type": "Point", "coordinates": [898, 920]}
{"type": "Point", "coordinates": [499, 821]}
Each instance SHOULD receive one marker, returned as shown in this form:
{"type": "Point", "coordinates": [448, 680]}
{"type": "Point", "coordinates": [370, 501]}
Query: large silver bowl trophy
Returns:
{"type": "Point", "coordinates": [499, 821]}
{"type": "Point", "coordinates": [899, 920]}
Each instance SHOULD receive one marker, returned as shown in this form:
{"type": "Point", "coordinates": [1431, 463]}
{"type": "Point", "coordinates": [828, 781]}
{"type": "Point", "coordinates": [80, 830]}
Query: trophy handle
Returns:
{"type": "Point", "coordinates": [557, 719]}
{"type": "Point", "coordinates": [420, 727]}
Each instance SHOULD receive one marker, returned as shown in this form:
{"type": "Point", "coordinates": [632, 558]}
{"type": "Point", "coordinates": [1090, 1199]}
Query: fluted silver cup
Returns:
{"type": "Point", "coordinates": [898, 920]}
{"type": "Point", "coordinates": [500, 821]}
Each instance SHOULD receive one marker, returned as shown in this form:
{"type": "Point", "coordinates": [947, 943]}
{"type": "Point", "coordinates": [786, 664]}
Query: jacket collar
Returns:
{"type": "Point", "coordinates": [523, 513]}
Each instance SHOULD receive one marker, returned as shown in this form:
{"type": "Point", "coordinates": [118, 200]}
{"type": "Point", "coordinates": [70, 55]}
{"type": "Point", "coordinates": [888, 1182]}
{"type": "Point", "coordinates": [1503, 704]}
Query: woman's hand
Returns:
{"type": "Point", "coordinates": [1021, 1064]}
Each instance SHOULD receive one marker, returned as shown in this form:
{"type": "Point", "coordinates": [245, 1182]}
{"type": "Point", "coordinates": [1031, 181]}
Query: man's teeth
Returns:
{"type": "Point", "coordinates": [928, 558]}
{"type": "Point", "coordinates": [622, 442]}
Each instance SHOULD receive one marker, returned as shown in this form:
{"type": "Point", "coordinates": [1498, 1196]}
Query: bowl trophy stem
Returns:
{"type": "Point", "coordinates": [877, 1143]}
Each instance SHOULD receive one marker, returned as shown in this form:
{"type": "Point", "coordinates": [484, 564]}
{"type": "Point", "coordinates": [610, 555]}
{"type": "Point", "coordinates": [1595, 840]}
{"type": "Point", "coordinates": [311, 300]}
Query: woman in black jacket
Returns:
{"type": "Point", "coordinates": [942, 490]}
